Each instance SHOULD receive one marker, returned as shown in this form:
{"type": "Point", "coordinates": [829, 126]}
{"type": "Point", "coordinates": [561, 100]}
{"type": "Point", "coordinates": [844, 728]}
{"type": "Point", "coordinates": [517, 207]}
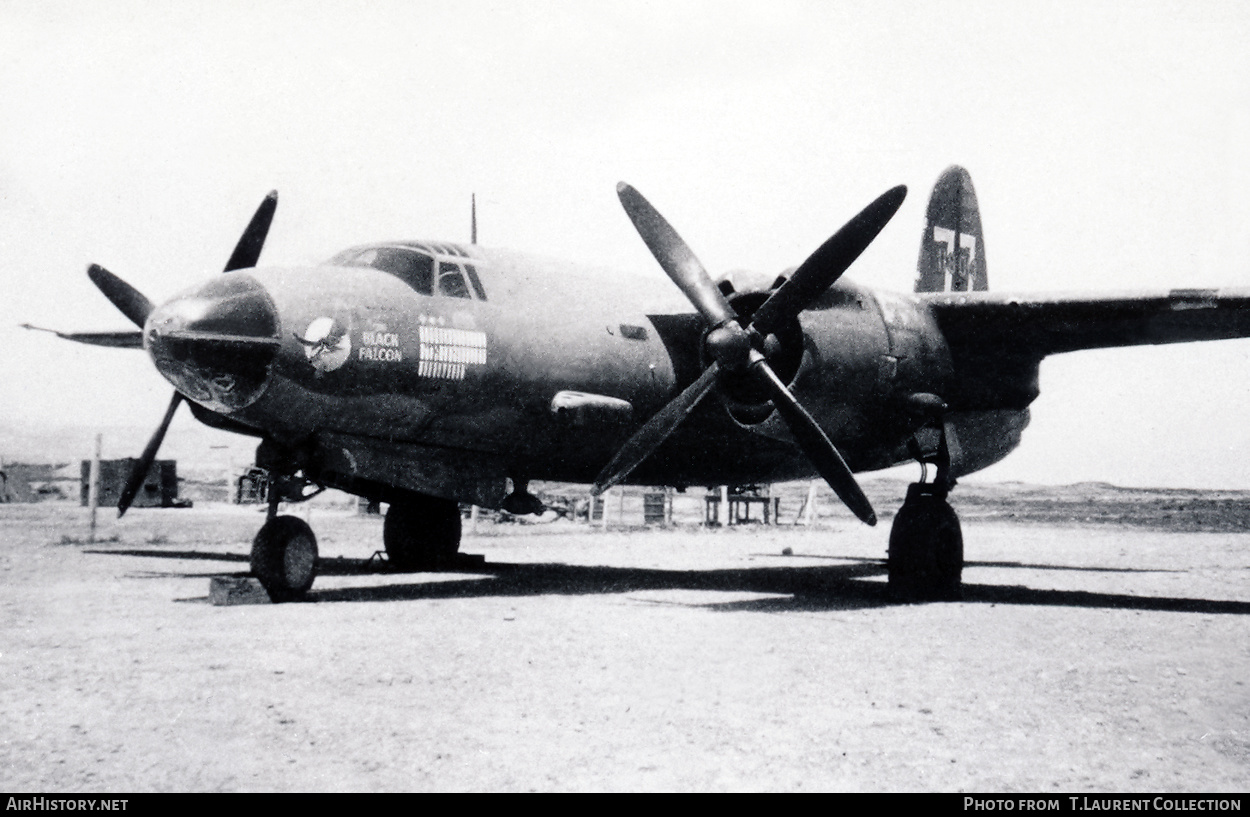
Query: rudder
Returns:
{"type": "Point", "coordinates": [952, 249]}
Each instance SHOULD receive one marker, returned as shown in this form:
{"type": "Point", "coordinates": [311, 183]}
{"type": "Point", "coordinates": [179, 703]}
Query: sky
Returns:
{"type": "Point", "coordinates": [1108, 143]}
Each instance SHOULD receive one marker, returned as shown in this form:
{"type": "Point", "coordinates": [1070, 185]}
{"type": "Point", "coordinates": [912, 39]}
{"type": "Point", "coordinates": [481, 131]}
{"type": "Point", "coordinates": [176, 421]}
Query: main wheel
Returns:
{"type": "Point", "coordinates": [421, 531]}
{"type": "Point", "coordinates": [926, 556]}
{"type": "Point", "coordinates": [284, 557]}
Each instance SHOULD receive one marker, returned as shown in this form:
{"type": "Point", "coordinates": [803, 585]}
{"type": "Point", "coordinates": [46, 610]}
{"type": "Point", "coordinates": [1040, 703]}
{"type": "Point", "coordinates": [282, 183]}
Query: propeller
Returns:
{"type": "Point", "coordinates": [736, 350]}
{"type": "Point", "coordinates": [247, 251]}
{"type": "Point", "coordinates": [129, 301]}
{"type": "Point", "coordinates": [118, 340]}
{"type": "Point", "coordinates": [135, 305]}
{"type": "Point", "coordinates": [139, 471]}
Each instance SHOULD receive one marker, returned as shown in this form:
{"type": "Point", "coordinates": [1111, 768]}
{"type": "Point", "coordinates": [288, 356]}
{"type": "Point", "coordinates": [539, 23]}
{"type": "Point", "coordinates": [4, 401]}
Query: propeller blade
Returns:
{"type": "Point", "coordinates": [140, 470]}
{"type": "Point", "coordinates": [247, 251]}
{"type": "Point", "coordinates": [656, 431]}
{"type": "Point", "coordinates": [827, 264]}
{"type": "Point", "coordinates": [130, 301]}
{"type": "Point", "coordinates": [675, 257]}
{"type": "Point", "coordinates": [815, 443]}
{"type": "Point", "coordinates": [135, 306]}
{"type": "Point", "coordinates": [122, 340]}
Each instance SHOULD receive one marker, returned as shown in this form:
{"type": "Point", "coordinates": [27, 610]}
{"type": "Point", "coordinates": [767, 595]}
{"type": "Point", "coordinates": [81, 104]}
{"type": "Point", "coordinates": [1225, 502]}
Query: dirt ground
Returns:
{"type": "Point", "coordinates": [1083, 658]}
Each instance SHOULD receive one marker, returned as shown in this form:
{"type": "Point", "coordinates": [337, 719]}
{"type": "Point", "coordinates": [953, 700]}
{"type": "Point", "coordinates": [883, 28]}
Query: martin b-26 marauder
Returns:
{"type": "Point", "coordinates": [425, 374]}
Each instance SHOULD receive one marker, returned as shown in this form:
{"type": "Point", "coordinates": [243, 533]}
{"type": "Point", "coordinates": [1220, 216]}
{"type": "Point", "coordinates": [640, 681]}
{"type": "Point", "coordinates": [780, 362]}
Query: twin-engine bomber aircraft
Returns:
{"type": "Point", "coordinates": [426, 374]}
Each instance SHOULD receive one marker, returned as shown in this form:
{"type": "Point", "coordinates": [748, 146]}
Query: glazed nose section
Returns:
{"type": "Point", "coordinates": [216, 343]}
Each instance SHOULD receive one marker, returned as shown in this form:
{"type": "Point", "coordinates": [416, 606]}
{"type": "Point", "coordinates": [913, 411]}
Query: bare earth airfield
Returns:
{"type": "Point", "coordinates": [1101, 646]}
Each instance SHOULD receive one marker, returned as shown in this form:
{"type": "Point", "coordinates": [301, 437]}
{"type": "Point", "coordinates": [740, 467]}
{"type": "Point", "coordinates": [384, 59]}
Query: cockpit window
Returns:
{"type": "Point", "coordinates": [477, 282]}
{"type": "Point", "coordinates": [451, 280]}
{"type": "Point", "coordinates": [417, 269]}
{"type": "Point", "coordinates": [414, 268]}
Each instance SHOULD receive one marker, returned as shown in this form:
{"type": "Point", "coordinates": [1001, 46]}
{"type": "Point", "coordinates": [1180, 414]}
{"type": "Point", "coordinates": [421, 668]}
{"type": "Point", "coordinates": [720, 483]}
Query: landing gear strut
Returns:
{"type": "Point", "coordinates": [421, 531]}
{"type": "Point", "coordinates": [926, 555]}
{"type": "Point", "coordinates": [284, 552]}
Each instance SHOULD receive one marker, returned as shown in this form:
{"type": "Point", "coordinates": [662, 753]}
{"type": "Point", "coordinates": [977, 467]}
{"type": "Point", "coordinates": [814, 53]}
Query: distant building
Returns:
{"type": "Point", "coordinates": [32, 482]}
{"type": "Point", "coordinates": [159, 490]}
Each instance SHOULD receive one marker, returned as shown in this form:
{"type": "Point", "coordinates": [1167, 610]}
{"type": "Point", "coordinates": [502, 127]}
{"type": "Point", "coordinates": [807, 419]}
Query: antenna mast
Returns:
{"type": "Point", "coordinates": [473, 218]}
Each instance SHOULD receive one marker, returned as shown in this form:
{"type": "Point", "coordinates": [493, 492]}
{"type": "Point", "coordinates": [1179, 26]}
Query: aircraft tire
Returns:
{"type": "Point", "coordinates": [926, 553]}
{"type": "Point", "coordinates": [284, 558]}
{"type": "Point", "coordinates": [421, 532]}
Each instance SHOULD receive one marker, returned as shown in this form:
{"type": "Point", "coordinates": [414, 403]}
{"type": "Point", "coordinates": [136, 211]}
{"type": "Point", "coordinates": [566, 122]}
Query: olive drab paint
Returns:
{"type": "Point", "coordinates": [447, 372]}
{"type": "Point", "coordinates": [952, 246]}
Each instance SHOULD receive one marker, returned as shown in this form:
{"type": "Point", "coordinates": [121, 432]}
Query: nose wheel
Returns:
{"type": "Point", "coordinates": [284, 557]}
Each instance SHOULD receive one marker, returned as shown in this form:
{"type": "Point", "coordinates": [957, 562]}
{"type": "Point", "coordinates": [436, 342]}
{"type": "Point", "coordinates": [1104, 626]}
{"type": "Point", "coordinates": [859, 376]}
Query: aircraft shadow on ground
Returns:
{"type": "Point", "coordinates": [790, 589]}
{"type": "Point", "coordinates": [800, 588]}
{"type": "Point", "coordinates": [1022, 565]}
{"type": "Point", "coordinates": [174, 554]}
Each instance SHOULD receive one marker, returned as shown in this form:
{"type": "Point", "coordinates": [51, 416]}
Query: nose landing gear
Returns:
{"type": "Point", "coordinates": [284, 552]}
{"type": "Point", "coordinates": [284, 557]}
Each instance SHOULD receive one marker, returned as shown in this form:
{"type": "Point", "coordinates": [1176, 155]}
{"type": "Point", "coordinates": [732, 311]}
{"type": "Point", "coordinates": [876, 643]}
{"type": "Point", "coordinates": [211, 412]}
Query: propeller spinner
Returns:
{"type": "Point", "coordinates": [135, 306]}
{"type": "Point", "coordinates": [736, 351]}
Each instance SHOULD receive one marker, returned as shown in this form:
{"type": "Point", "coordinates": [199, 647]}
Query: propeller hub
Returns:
{"type": "Point", "coordinates": [216, 343]}
{"type": "Point", "coordinates": [729, 345]}
{"type": "Point", "coordinates": [746, 397]}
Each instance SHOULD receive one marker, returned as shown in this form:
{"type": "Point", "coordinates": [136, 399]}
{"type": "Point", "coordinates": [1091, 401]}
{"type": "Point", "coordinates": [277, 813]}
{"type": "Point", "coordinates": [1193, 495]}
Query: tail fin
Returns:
{"type": "Point", "coordinates": [952, 249]}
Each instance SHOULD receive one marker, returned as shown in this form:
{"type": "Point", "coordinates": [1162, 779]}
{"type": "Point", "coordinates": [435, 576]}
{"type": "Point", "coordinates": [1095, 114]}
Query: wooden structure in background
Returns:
{"type": "Point", "coordinates": [252, 487]}
{"type": "Point", "coordinates": [28, 482]}
{"type": "Point", "coordinates": [159, 490]}
{"type": "Point", "coordinates": [740, 499]}
{"type": "Point", "coordinates": [656, 507]}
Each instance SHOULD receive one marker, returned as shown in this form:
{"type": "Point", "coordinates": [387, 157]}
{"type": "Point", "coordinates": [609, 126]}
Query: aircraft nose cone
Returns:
{"type": "Point", "coordinates": [216, 342]}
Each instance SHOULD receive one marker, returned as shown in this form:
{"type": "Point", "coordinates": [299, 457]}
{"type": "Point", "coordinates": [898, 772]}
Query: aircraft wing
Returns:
{"type": "Point", "coordinates": [1034, 326]}
{"type": "Point", "coordinates": [997, 341]}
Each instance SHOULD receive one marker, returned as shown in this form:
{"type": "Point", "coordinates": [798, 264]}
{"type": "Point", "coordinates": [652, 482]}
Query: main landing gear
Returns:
{"type": "Point", "coordinates": [926, 556]}
{"type": "Point", "coordinates": [421, 531]}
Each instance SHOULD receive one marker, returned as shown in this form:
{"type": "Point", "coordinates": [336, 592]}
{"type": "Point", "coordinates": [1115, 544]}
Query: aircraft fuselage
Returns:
{"type": "Point", "coordinates": [549, 373]}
